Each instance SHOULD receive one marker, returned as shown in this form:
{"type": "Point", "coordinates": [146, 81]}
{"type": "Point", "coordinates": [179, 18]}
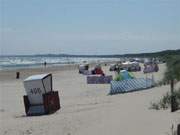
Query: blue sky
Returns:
{"type": "Point", "coordinates": [89, 26]}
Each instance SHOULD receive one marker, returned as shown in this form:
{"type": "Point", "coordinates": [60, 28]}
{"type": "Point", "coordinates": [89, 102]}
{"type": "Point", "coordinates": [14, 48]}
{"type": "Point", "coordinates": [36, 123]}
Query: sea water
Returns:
{"type": "Point", "coordinates": [17, 62]}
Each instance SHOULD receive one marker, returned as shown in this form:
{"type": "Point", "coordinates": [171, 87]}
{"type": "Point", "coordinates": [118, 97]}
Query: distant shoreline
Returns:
{"type": "Point", "coordinates": [17, 62]}
{"type": "Point", "coordinates": [53, 66]}
{"type": "Point", "coordinates": [11, 63]}
{"type": "Point", "coordinates": [146, 54]}
{"type": "Point", "coordinates": [25, 72]}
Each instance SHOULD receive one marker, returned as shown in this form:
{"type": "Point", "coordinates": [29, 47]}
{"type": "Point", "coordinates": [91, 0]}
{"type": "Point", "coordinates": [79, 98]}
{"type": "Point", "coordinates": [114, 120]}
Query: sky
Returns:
{"type": "Point", "coordinates": [88, 26]}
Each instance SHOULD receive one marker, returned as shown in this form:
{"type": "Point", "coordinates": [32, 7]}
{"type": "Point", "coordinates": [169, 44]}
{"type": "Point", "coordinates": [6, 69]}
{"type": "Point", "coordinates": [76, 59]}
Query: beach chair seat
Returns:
{"type": "Point", "coordinates": [40, 98]}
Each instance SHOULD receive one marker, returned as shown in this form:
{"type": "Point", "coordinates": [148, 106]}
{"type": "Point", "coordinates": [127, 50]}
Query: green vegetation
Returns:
{"type": "Point", "coordinates": [165, 101]}
{"type": "Point", "coordinates": [173, 67]}
{"type": "Point", "coordinates": [172, 75]}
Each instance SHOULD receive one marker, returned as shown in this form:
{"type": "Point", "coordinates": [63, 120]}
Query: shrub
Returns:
{"type": "Point", "coordinates": [165, 101]}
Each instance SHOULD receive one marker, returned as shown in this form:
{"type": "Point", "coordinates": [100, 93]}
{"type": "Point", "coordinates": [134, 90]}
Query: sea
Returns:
{"type": "Point", "coordinates": [21, 62]}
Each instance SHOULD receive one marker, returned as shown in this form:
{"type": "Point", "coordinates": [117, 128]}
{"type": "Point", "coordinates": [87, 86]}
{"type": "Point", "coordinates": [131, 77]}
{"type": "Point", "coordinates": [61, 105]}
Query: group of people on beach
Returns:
{"type": "Point", "coordinates": [84, 69]}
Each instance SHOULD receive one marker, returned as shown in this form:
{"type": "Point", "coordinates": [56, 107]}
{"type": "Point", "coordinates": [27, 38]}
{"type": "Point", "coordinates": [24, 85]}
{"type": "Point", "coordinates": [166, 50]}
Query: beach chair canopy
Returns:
{"type": "Point", "coordinates": [149, 68]}
{"type": "Point", "coordinates": [131, 66]}
{"type": "Point", "coordinates": [84, 67]}
{"type": "Point", "coordinates": [98, 70]}
{"type": "Point", "coordinates": [36, 86]}
{"type": "Point", "coordinates": [98, 66]}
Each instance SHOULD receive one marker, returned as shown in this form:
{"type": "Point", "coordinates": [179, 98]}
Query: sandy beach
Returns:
{"type": "Point", "coordinates": [85, 109]}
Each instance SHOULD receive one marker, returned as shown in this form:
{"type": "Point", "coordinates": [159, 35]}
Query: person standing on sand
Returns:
{"type": "Point", "coordinates": [45, 64]}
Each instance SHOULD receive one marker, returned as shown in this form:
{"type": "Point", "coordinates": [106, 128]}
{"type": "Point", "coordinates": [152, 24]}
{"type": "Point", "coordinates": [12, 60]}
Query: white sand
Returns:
{"type": "Point", "coordinates": [86, 109]}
